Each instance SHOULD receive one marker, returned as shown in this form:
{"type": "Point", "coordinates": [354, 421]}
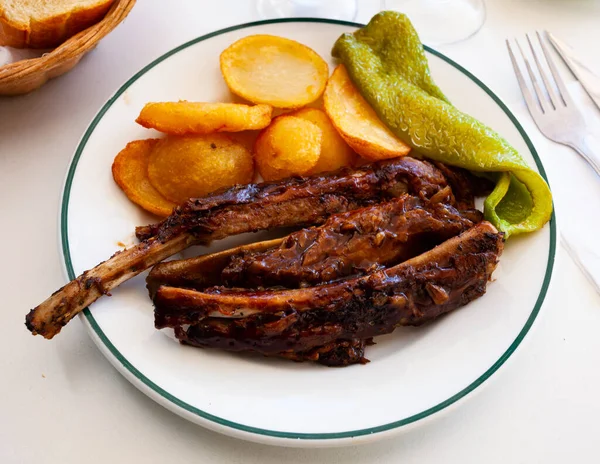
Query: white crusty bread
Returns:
{"type": "Point", "coordinates": [47, 23]}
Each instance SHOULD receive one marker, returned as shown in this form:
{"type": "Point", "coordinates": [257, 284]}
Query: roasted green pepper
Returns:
{"type": "Point", "coordinates": [387, 63]}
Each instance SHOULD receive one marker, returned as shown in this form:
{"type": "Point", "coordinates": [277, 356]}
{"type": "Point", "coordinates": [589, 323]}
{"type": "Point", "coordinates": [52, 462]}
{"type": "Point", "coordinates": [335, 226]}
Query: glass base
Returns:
{"type": "Point", "coordinates": [441, 22]}
{"type": "Point", "coordinates": [335, 9]}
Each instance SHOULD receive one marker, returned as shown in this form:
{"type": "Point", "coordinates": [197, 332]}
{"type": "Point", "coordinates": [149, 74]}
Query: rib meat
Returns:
{"type": "Point", "coordinates": [338, 353]}
{"type": "Point", "coordinates": [291, 202]}
{"type": "Point", "coordinates": [288, 322]}
{"type": "Point", "coordinates": [308, 200]}
{"type": "Point", "coordinates": [201, 271]}
{"type": "Point", "coordinates": [347, 244]}
{"type": "Point", "coordinates": [465, 186]}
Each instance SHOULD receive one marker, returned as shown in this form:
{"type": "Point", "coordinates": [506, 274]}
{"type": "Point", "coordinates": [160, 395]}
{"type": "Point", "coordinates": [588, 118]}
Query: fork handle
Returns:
{"type": "Point", "coordinates": [589, 148]}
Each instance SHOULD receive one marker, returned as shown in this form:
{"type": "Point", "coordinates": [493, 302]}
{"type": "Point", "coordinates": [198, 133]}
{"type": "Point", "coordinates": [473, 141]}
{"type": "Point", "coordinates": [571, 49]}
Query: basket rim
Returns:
{"type": "Point", "coordinates": [70, 49]}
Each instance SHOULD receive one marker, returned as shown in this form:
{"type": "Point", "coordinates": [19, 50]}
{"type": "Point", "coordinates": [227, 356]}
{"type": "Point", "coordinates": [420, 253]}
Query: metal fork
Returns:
{"type": "Point", "coordinates": [556, 115]}
{"type": "Point", "coordinates": [558, 119]}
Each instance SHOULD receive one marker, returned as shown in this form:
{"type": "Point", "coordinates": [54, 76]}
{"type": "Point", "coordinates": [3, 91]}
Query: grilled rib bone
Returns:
{"type": "Point", "coordinates": [349, 243]}
{"type": "Point", "coordinates": [201, 271]}
{"type": "Point", "coordinates": [291, 202]}
{"type": "Point", "coordinates": [410, 293]}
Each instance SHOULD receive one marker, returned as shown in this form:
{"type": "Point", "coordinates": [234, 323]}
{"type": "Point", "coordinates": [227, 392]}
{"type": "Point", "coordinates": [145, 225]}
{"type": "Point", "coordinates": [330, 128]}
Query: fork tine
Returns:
{"type": "Point", "coordinates": [536, 86]}
{"type": "Point", "coordinates": [549, 89]}
{"type": "Point", "coordinates": [562, 89]}
{"type": "Point", "coordinates": [533, 108]}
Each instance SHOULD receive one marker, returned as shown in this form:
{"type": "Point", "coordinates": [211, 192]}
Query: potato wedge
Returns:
{"type": "Point", "coordinates": [274, 70]}
{"type": "Point", "coordinates": [183, 117]}
{"type": "Point", "coordinates": [130, 172]}
{"type": "Point", "coordinates": [289, 146]}
{"type": "Point", "coordinates": [357, 122]}
{"type": "Point", "coordinates": [335, 152]}
{"type": "Point", "coordinates": [183, 167]}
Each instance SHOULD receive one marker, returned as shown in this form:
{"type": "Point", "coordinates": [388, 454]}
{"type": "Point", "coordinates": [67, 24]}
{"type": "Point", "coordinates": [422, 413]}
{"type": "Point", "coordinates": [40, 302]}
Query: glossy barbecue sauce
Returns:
{"type": "Point", "coordinates": [300, 323]}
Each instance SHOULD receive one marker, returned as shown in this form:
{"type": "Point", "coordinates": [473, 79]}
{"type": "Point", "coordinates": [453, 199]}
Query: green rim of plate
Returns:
{"type": "Point", "coordinates": [274, 433]}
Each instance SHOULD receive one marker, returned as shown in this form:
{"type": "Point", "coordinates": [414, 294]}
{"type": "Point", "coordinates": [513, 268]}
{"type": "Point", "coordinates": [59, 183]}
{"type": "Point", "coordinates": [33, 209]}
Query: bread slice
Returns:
{"type": "Point", "coordinates": [47, 23]}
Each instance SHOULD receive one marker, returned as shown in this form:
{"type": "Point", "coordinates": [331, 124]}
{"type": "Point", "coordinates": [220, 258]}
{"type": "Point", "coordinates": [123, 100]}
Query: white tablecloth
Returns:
{"type": "Point", "coordinates": [62, 402]}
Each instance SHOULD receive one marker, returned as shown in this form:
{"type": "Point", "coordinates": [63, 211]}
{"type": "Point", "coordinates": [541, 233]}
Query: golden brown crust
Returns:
{"type": "Point", "coordinates": [52, 31]}
{"type": "Point", "coordinates": [27, 75]}
{"type": "Point", "coordinates": [11, 35]}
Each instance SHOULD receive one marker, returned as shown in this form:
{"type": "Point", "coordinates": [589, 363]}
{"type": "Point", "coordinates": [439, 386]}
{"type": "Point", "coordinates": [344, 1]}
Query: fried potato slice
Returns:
{"type": "Point", "coordinates": [335, 152]}
{"type": "Point", "coordinates": [183, 167]}
{"type": "Point", "coordinates": [183, 117]}
{"type": "Point", "coordinates": [274, 70]}
{"type": "Point", "coordinates": [357, 122]}
{"type": "Point", "coordinates": [130, 172]}
{"type": "Point", "coordinates": [289, 146]}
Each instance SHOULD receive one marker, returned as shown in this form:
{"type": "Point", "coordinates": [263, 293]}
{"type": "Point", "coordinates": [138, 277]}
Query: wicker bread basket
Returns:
{"type": "Point", "coordinates": [27, 75]}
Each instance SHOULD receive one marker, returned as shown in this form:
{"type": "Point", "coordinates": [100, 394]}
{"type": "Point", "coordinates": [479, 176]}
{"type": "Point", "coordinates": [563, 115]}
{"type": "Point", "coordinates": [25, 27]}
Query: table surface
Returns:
{"type": "Point", "coordinates": [62, 402]}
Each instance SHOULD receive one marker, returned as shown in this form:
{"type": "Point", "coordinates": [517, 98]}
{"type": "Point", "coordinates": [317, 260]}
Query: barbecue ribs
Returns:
{"type": "Point", "coordinates": [347, 244]}
{"type": "Point", "coordinates": [292, 202]}
{"type": "Point", "coordinates": [331, 323]}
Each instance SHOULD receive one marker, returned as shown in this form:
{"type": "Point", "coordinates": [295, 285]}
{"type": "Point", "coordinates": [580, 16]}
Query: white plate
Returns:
{"type": "Point", "coordinates": [415, 372]}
